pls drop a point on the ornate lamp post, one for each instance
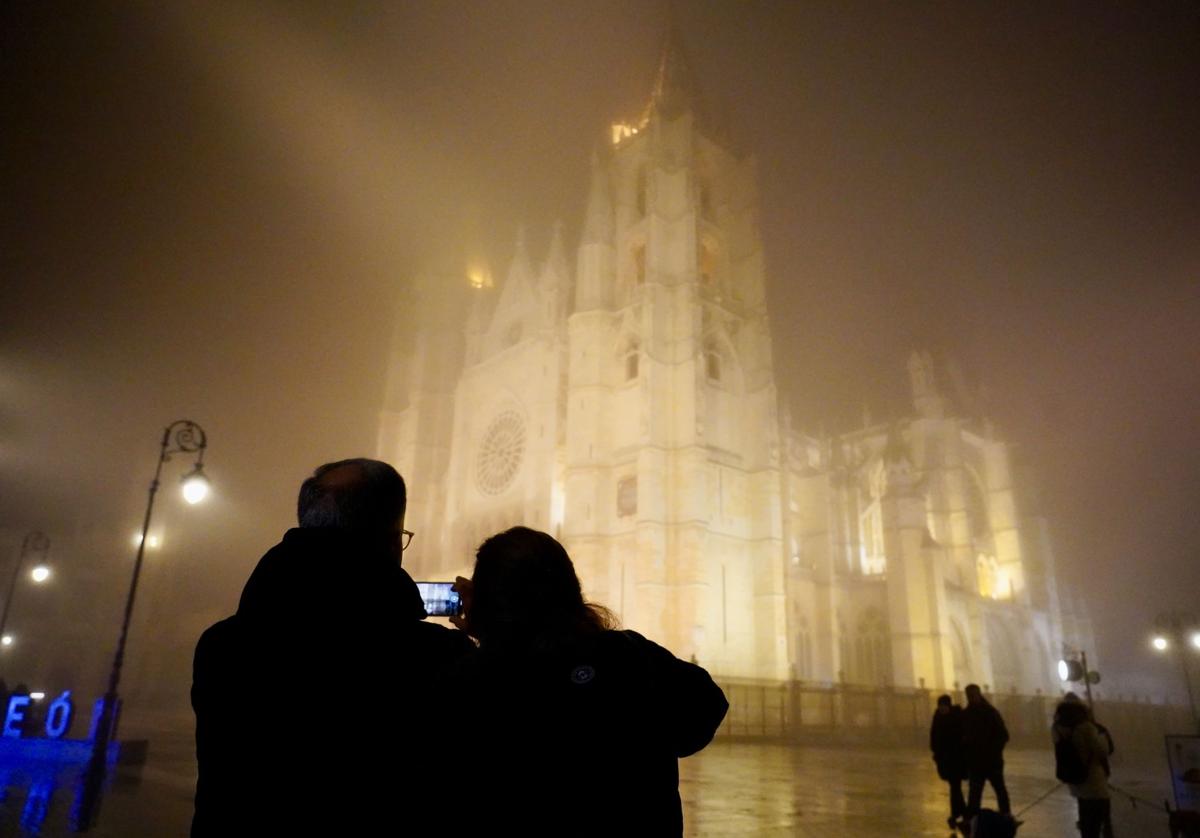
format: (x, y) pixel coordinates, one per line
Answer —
(1073, 667)
(35, 543)
(1183, 631)
(180, 437)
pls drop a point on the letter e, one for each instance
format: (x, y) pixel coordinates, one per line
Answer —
(15, 716)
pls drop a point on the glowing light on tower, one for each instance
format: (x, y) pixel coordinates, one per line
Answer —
(479, 276)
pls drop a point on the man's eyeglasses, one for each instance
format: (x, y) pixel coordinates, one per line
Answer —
(406, 537)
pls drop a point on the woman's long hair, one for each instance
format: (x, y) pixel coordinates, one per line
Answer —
(526, 594)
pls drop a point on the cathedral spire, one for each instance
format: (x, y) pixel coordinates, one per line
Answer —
(521, 265)
(675, 89)
(556, 259)
(598, 226)
(927, 400)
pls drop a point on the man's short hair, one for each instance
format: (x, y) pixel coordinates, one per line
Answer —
(973, 688)
(944, 701)
(356, 494)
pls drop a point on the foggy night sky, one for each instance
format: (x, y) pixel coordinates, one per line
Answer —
(213, 211)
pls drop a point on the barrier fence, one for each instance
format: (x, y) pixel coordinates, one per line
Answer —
(846, 713)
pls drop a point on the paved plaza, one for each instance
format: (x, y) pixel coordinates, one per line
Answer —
(731, 788)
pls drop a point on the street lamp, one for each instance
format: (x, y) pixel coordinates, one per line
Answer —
(1182, 630)
(180, 437)
(1074, 668)
(35, 543)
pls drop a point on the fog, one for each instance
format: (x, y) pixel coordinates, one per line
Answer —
(216, 212)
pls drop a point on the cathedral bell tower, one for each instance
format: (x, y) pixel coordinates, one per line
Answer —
(672, 474)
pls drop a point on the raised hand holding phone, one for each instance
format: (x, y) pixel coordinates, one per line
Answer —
(464, 588)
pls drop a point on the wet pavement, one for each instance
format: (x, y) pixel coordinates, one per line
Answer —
(731, 788)
(830, 792)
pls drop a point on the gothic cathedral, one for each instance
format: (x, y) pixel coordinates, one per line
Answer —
(627, 404)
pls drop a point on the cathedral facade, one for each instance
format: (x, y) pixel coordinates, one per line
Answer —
(625, 401)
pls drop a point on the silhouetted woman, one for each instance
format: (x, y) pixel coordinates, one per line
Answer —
(1074, 729)
(564, 724)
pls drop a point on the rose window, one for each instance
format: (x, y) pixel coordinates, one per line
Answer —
(500, 453)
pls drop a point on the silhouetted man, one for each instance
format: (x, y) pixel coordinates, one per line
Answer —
(306, 698)
(984, 738)
(945, 740)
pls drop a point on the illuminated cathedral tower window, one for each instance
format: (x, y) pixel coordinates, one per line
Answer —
(627, 496)
(641, 191)
(708, 262)
(712, 364)
(632, 354)
(639, 264)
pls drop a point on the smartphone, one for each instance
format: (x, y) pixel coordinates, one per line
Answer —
(439, 600)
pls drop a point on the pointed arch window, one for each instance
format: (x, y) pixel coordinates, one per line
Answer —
(640, 191)
(632, 359)
(712, 364)
(873, 663)
(708, 263)
(639, 264)
(977, 513)
(627, 496)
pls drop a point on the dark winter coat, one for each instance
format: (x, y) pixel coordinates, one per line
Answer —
(984, 737)
(945, 740)
(582, 740)
(307, 698)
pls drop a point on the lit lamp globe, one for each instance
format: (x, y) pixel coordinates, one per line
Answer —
(1071, 670)
(1159, 643)
(1196, 639)
(6, 640)
(40, 573)
(195, 486)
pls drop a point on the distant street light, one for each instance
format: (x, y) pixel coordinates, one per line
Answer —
(180, 437)
(1181, 630)
(35, 543)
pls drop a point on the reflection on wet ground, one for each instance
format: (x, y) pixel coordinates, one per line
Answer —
(757, 788)
(734, 789)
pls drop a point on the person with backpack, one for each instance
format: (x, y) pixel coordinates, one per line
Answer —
(1081, 761)
(1107, 739)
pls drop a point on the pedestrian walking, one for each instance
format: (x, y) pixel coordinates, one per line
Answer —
(984, 738)
(945, 741)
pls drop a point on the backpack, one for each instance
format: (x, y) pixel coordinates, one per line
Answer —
(1068, 765)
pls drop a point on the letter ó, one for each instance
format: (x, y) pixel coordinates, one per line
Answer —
(58, 717)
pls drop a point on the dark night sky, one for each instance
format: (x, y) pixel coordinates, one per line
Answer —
(213, 210)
